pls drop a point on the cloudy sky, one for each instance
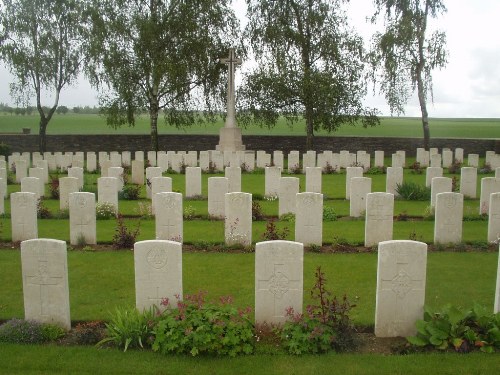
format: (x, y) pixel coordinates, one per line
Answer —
(469, 86)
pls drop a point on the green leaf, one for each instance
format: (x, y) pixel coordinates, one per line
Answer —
(417, 341)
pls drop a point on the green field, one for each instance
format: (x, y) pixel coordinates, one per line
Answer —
(390, 127)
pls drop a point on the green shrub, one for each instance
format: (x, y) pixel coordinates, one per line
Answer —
(19, 331)
(329, 214)
(197, 327)
(257, 213)
(416, 168)
(413, 192)
(272, 233)
(130, 328)
(323, 327)
(104, 211)
(189, 212)
(130, 192)
(42, 212)
(52, 332)
(376, 170)
(88, 333)
(288, 217)
(4, 150)
(123, 237)
(462, 330)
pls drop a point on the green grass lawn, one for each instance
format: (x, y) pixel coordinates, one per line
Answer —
(390, 127)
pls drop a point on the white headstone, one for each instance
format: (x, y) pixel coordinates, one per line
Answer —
(272, 181)
(489, 185)
(393, 179)
(287, 194)
(116, 159)
(138, 172)
(77, 173)
(21, 170)
(435, 160)
(217, 189)
(400, 297)
(150, 173)
(351, 172)
(169, 224)
(217, 160)
(308, 160)
(293, 161)
(91, 162)
(139, 155)
(432, 172)
(45, 282)
(278, 159)
(494, 218)
(448, 218)
(468, 181)
(379, 218)
(107, 191)
(459, 155)
(159, 185)
(67, 185)
(32, 185)
(126, 158)
(23, 216)
(163, 162)
(473, 160)
(193, 182)
(117, 172)
(82, 219)
(313, 179)
(344, 159)
(204, 160)
(249, 161)
(177, 162)
(360, 187)
(497, 172)
(238, 219)
(44, 166)
(158, 274)
(440, 185)
(447, 158)
(152, 158)
(2, 196)
(233, 175)
(309, 219)
(363, 160)
(397, 160)
(278, 280)
(379, 159)
(3, 182)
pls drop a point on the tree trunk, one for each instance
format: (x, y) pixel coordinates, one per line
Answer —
(153, 117)
(425, 114)
(42, 140)
(309, 129)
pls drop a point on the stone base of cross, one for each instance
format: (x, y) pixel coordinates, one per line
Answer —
(230, 139)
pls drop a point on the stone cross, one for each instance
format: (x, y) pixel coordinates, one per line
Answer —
(231, 61)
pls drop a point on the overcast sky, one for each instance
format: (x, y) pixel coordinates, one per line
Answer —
(469, 86)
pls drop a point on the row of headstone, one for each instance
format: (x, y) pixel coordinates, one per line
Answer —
(279, 281)
(249, 159)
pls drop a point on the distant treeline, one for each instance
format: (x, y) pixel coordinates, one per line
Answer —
(31, 110)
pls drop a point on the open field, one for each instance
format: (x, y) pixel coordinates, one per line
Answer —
(390, 127)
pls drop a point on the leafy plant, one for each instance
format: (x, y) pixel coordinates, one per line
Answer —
(105, 211)
(189, 212)
(257, 213)
(88, 333)
(54, 187)
(289, 217)
(197, 327)
(130, 192)
(455, 167)
(329, 169)
(376, 170)
(272, 233)
(123, 237)
(462, 330)
(42, 212)
(4, 149)
(325, 326)
(329, 214)
(413, 192)
(416, 168)
(130, 328)
(20, 331)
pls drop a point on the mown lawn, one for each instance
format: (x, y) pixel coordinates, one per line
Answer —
(390, 127)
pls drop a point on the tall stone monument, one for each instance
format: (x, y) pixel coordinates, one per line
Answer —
(230, 135)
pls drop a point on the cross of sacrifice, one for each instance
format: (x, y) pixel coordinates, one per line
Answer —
(231, 61)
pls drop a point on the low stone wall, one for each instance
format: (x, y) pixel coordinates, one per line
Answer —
(181, 142)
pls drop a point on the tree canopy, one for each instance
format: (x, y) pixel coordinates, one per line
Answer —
(160, 55)
(41, 41)
(404, 55)
(310, 65)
